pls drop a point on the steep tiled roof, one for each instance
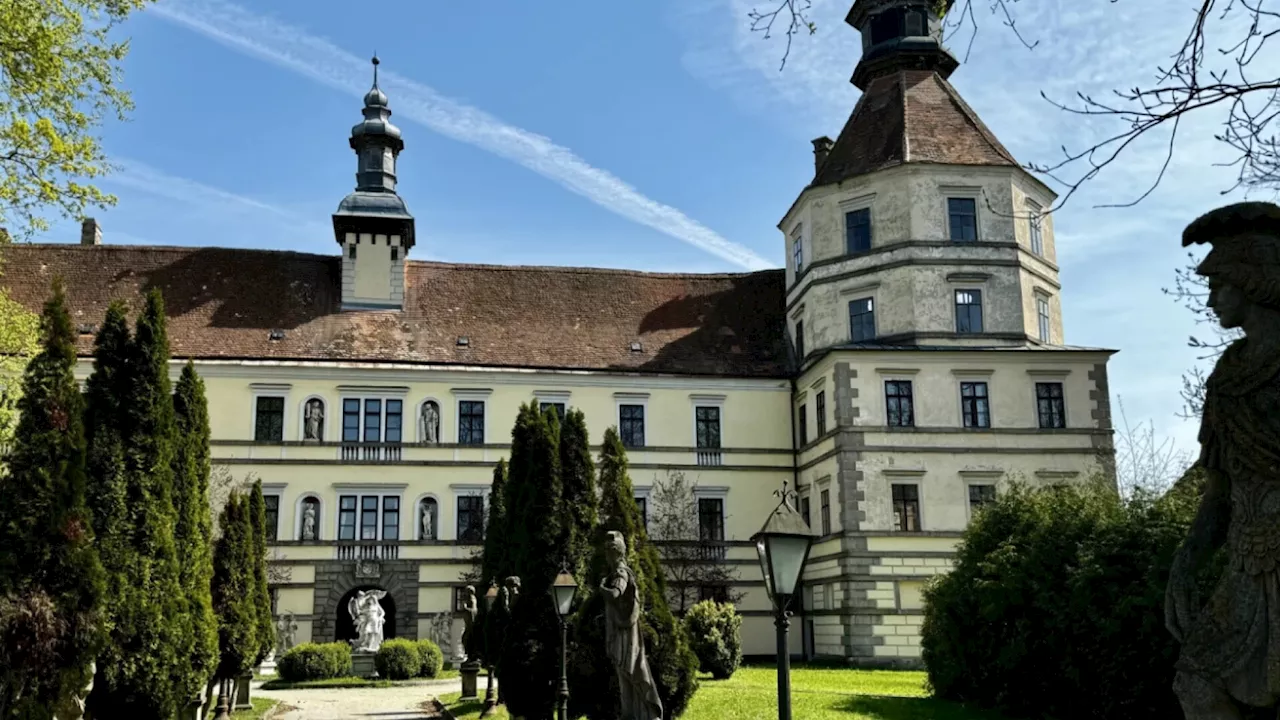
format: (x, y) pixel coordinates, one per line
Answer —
(910, 117)
(224, 303)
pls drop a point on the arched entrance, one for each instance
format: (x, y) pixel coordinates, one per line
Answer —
(344, 626)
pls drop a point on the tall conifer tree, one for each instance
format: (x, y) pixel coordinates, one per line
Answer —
(494, 568)
(51, 582)
(578, 479)
(233, 590)
(261, 595)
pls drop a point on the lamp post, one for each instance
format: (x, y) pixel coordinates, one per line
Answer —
(224, 704)
(562, 591)
(783, 545)
(490, 697)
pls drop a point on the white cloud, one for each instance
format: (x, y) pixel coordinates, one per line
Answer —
(318, 59)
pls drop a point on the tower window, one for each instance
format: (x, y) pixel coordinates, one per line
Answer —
(797, 249)
(886, 26)
(395, 254)
(974, 405)
(968, 311)
(898, 403)
(857, 231)
(1034, 222)
(962, 218)
(1050, 407)
(800, 340)
(915, 23)
(351, 251)
(820, 408)
(862, 320)
(802, 418)
(1042, 317)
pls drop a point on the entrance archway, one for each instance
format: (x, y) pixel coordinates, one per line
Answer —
(345, 627)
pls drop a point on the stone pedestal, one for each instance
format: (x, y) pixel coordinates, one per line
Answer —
(470, 671)
(192, 710)
(241, 701)
(362, 665)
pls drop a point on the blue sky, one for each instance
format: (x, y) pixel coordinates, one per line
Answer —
(653, 135)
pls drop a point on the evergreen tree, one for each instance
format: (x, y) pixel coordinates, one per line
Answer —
(578, 477)
(261, 595)
(233, 590)
(51, 582)
(494, 568)
(193, 532)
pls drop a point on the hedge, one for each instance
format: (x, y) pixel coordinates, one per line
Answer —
(715, 635)
(432, 658)
(398, 659)
(314, 661)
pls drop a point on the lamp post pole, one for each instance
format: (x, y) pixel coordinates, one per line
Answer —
(224, 705)
(783, 622)
(783, 546)
(564, 669)
(490, 697)
(562, 590)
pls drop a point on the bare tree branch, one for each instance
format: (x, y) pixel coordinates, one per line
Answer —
(795, 13)
(696, 567)
(1191, 290)
(1144, 462)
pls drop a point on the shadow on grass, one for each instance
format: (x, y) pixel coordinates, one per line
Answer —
(883, 707)
(465, 707)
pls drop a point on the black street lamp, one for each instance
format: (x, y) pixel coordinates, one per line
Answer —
(783, 545)
(224, 702)
(490, 697)
(562, 591)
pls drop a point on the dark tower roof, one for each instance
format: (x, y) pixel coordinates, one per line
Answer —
(899, 35)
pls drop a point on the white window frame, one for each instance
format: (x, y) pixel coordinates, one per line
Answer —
(361, 491)
(967, 193)
(716, 401)
(382, 419)
(461, 395)
(261, 390)
(469, 490)
(713, 492)
(907, 476)
(641, 399)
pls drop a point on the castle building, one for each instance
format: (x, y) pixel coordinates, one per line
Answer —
(907, 364)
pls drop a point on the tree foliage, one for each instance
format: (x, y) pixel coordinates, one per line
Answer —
(234, 590)
(19, 342)
(578, 478)
(51, 581)
(715, 634)
(261, 594)
(691, 564)
(59, 78)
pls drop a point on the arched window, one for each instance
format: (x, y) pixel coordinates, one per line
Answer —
(428, 519)
(309, 519)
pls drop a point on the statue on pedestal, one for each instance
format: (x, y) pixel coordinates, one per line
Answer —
(314, 416)
(623, 641)
(430, 423)
(308, 520)
(286, 633)
(367, 614)
(1230, 653)
(469, 610)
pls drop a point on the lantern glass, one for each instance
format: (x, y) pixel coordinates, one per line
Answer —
(787, 554)
(765, 573)
(562, 591)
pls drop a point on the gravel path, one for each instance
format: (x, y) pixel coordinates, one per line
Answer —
(402, 702)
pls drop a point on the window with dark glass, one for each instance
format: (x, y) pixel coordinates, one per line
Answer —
(559, 408)
(974, 405)
(1050, 406)
(471, 422)
(272, 503)
(394, 421)
(800, 340)
(862, 320)
(643, 504)
(797, 250)
(980, 495)
(269, 420)
(372, 420)
(804, 510)
(825, 498)
(906, 508)
(470, 518)
(351, 419)
(708, 427)
(347, 517)
(714, 593)
(898, 403)
(1042, 317)
(962, 217)
(802, 423)
(390, 518)
(631, 425)
(711, 519)
(1034, 221)
(820, 410)
(369, 517)
(857, 231)
(968, 311)
(886, 26)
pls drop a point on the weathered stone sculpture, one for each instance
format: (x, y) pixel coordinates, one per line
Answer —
(430, 423)
(623, 641)
(428, 521)
(314, 427)
(286, 633)
(512, 586)
(309, 521)
(368, 616)
(469, 610)
(1231, 647)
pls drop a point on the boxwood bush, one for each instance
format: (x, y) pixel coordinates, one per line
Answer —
(398, 659)
(432, 658)
(715, 634)
(315, 661)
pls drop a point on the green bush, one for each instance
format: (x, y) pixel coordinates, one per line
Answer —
(715, 635)
(1056, 605)
(398, 659)
(314, 661)
(432, 658)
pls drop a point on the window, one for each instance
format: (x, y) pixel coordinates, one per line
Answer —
(804, 510)
(862, 320)
(470, 518)
(631, 425)
(1034, 223)
(968, 311)
(974, 405)
(797, 249)
(711, 519)
(1049, 405)
(369, 517)
(897, 397)
(820, 409)
(273, 515)
(826, 511)
(980, 495)
(372, 420)
(351, 251)
(390, 518)
(643, 504)
(800, 340)
(802, 423)
(707, 420)
(1042, 317)
(962, 218)
(906, 508)
(471, 422)
(559, 407)
(374, 512)
(347, 517)
(269, 420)
(715, 593)
(395, 254)
(857, 231)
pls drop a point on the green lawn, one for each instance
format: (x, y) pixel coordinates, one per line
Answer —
(261, 706)
(816, 694)
(351, 682)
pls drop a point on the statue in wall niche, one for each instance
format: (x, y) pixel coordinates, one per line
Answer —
(1230, 654)
(286, 633)
(313, 427)
(623, 641)
(430, 430)
(470, 608)
(309, 521)
(428, 520)
(367, 614)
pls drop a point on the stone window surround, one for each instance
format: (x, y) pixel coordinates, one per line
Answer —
(974, 375)
(417, 514)
(866, 202)
(277, 489)
(382, 490)
(646, 492)
(370, 392)
(641, 399)
(468, 394)
(714, 492)
(907, 476)
(860, 292)
(469, 489)
(698, 400)
(1046, 375)
(963, 282)
(302, 417)
(797, 248)
(553, 397)
(972, 192)
(824, 483)
(901, 374)
(259, 390)
(979, 477)
(1037, 295)
(1035, 221)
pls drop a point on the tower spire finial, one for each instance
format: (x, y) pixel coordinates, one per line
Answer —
(375, 68)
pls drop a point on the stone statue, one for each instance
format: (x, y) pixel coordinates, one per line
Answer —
(430, 423)
(1231, 646)
(623, 642)
(286, 633)
(368, 615)
(513, 591)
(308, 520)
(441, 631)
(428, 521)
(314, 415)
(470, 608)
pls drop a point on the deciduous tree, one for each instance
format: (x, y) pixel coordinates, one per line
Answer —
(691, 564)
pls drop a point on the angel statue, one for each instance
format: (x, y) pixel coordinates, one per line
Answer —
(1230, 656)
(368, 616)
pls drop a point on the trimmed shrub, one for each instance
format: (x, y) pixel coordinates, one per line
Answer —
(432, 658)
(715, 635)
(315, 661)
(398, 659)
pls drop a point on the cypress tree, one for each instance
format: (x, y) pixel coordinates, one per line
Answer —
(233, 590)
(51, 581)
(261, 595)
(493, 568)
(193, 532)
(578, 477)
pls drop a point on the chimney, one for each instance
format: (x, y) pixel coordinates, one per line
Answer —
(90, 232)
(821, 147)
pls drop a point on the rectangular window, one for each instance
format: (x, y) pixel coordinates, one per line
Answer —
(820, 409)
(711, 519)
(906, 508)
(559, 408)
(714, 593)
(857, 231)
(708, 427)
(643, 504)
(1042, 317)
(800, 340)
(804, 510)
(975, 407)
(372, 420)
(394, 421)
(470, 518)
(1050, 406)
(273, 515)
(862, 320)
(471, 422)
(347, 517)
(802, 424)
(269, 420)
(797, 250)
(980, 495)
(631, 425)
(1034, 224)
(897, 397)
(390, 518)
(369, 517)
(826, 512)
(968, 311)
(351, 420)
(962, 217)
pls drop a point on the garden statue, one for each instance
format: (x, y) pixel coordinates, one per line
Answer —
(1230, 654)
(428, 522)
(286, 633)
(430, 423)
(513, 591)
(469, 610)
(309, 521)
(623, 641)
(314, 428)
(368, 616)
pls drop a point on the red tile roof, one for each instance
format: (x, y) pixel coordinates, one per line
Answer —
(913, 116)
(224, 303)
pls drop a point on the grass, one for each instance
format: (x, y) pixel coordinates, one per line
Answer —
(469, 709)
(817, 693)
(261, 706)
(351, 682)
